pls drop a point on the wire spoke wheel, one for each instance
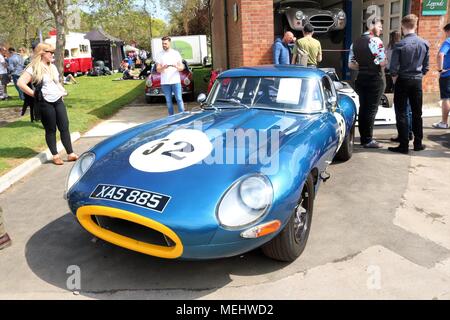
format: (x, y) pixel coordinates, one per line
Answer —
(289, 244)
(302, 216)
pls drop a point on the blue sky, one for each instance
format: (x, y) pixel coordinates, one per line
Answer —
(156, 10)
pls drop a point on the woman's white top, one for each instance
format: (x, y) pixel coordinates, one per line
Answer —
(50, 89)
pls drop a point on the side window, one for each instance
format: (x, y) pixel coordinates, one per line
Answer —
(84, 48)
(327, 88)
(66, 53)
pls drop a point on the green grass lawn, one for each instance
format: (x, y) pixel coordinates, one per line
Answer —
(90, 101)
(14, 101)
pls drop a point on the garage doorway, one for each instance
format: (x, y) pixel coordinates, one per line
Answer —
(391, 13)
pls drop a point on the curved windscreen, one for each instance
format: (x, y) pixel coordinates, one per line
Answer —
(289, 94)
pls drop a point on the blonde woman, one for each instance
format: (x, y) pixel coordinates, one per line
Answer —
(48, 93)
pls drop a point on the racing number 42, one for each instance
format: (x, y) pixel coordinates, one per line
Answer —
(183, 147)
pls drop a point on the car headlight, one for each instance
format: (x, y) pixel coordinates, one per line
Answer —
(187, 81)
(68, 65)
(341, 15)
(245, 202)
(149, 83)
(299, 15)
(80, 167)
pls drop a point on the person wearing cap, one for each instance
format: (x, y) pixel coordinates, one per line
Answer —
(48, 94)
(309, 45)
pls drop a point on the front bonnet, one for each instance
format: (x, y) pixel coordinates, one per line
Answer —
(192, 161)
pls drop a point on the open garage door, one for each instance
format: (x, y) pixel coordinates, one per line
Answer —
(389, 10)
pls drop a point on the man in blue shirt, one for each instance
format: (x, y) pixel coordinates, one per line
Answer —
(281, 51)
(15, 68)
(410, 62)
(443, 63)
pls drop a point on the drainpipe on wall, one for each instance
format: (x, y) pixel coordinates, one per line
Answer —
(210, 32)
(225, 2)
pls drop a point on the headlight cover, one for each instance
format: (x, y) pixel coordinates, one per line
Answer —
(246, 201)
(299, 15)
(341, 15)
(149, 83)
(68, 65)
(80, 167)
(187, 81)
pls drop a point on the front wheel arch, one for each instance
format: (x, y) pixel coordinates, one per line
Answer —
(290, 243)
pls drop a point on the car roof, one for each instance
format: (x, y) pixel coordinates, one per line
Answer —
(288, 71)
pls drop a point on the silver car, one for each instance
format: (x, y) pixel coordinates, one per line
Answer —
(300, 12)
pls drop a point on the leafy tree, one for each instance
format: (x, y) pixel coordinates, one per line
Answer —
(32, 16)
(58, 9)
(132, 26)
(188, 16)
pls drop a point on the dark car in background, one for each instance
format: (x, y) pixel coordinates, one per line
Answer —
(153, 84)
(295, 14)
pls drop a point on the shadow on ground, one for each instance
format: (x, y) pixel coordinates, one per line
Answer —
(106, 268)
(442, 139)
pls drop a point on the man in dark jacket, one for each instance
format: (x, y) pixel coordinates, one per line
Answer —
(367, 55)
(410, 62)
(281, 51)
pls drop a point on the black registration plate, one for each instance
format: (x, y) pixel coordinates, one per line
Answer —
(137, 197)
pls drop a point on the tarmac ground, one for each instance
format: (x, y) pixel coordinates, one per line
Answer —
(381, 230)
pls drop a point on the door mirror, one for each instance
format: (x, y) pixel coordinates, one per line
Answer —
(201, 98)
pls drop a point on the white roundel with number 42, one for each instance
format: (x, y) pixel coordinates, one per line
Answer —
(342, 129)
(180, 149)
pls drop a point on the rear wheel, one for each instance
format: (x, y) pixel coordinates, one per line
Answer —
(289, 244)
(346, 150)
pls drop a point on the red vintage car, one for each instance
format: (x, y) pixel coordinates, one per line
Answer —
(153, 84)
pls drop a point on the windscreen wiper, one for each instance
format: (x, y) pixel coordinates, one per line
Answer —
(209, 106)
(233, 101)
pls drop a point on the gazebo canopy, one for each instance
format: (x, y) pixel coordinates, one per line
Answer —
(100, 35)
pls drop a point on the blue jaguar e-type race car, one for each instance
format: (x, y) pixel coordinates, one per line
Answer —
(237, 173)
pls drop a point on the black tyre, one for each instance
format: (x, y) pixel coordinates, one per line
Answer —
(346, 150)
(289, 244)
(148, 99)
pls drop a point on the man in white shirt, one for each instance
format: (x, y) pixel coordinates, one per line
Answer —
(169, 64)
(4, 79)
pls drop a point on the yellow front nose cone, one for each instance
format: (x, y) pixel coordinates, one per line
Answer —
(85, 214)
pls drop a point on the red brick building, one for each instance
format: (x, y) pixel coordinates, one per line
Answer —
(243, 31)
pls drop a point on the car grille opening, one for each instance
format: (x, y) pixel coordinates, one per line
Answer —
(321, 23)
(133, 230)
